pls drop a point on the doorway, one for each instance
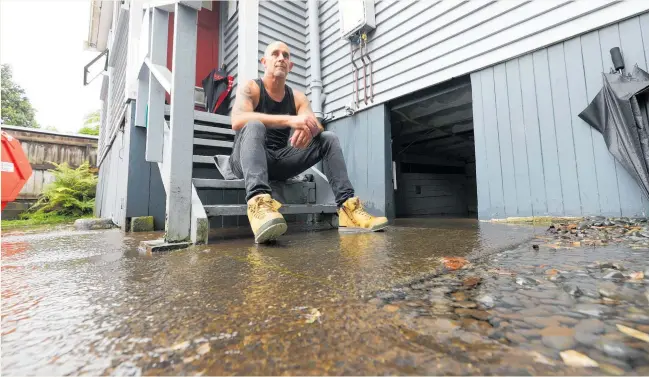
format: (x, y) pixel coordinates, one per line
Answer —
(433, 152)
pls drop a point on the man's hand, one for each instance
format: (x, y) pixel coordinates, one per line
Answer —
(301, 138)
(305, 122)
(312, 123)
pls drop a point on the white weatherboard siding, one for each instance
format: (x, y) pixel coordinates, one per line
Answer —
(419, 43)
(534, 155)
(286, 21)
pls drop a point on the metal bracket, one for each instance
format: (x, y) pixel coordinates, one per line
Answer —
(85, 68)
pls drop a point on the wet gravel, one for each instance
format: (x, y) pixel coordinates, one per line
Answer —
(570, 296)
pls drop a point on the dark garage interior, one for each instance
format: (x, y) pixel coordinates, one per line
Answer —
(433, 152)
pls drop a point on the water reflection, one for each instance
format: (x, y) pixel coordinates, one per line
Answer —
(89, 302)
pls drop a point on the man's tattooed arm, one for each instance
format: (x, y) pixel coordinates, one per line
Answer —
(243, 109)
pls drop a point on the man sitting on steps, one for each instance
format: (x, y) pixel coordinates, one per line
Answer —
(264, 112)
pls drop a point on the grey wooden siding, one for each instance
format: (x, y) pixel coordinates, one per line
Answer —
(369, 163)
(286, 21)
(109, 201)
(145, 193)
(420, 43)
(534, 156)
(230, 53)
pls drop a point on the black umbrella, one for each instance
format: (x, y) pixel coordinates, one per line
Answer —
(619, 113)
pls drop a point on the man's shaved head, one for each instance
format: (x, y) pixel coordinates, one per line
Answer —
(277, 60)
(275, 45)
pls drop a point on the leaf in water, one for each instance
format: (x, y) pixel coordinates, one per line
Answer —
(637, 275)
(539, 358)
(180, 346)
(313, 316)
(203, 349)
(471, 281)
(576, 359)
(454, 263)
(633, 332)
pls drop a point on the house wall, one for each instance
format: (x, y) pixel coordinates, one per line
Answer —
(110, 197)
(286, 21)
(128, 185)
(230, 43)
(418, 44)
(145, 193)
(534, 156)
(365, 141)
(421, 194)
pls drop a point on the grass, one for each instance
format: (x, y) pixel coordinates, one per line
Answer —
(39, 219)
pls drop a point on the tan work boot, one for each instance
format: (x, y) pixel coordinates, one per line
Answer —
(352, 217)
(266, 222)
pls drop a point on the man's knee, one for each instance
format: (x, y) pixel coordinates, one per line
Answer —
(329, 138)
(254, 126)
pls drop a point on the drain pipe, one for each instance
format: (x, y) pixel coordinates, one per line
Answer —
(314, 41)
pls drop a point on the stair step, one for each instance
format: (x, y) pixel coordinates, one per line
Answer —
(198, 159)
(287, 209)
(239, 183)
(213, 143)
(219, 183)
(212, 129)
(205, 117)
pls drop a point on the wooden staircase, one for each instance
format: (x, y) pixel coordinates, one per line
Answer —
(223, 201)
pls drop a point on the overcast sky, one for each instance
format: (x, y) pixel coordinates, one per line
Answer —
(43, 42)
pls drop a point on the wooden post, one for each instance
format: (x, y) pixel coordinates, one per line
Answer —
(158, 55)
(142, 100)
(248, 41)
(179, 194)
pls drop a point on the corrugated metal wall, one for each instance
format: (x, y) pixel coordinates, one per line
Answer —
(534, 155)
(230, 53)
(286, 21)
(421, 43)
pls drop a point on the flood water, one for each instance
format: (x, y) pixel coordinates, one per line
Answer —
(90, 303)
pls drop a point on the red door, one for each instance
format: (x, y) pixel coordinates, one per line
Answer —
(207, 44)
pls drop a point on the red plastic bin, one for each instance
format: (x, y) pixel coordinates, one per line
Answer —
(16, 169)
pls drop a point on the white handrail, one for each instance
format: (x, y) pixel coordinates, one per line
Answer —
(172, 146)
(161, 73)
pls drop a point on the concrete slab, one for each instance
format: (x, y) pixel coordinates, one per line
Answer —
(157, 246)
(93, 224)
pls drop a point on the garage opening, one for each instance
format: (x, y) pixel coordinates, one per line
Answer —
(433, 152)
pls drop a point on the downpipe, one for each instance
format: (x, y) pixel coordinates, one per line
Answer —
(355, 70)
(364, 72)
(367, 55)
(314, 41)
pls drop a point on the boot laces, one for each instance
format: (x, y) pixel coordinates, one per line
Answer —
(359, 210)
(261, 207)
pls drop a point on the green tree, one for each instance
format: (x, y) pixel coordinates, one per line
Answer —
(16, 108)
(91, 124)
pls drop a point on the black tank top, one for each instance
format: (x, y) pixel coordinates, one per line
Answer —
(276, 138)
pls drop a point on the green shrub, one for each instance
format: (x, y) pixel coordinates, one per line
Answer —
(72, 193)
